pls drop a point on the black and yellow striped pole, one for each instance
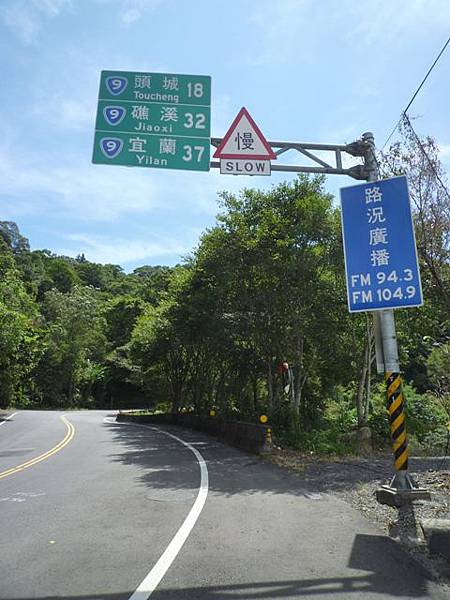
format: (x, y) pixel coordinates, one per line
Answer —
(395, 403)
(401, 489)
(397, 421)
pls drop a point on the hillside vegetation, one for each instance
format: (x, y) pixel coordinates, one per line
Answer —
(254, 321)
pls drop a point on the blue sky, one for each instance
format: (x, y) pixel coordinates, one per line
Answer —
(307, 71)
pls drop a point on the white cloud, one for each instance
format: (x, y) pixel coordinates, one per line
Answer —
(130, 16)
(131, 11)
(118, 251)
(51, 8)
(279, 27)
(70, 102)
(382, 20)
(26, 19)
(63, 112)
(75, 188)
(444, 150)
(22, 20)
(71, 187)
(302, 28)
(444, 155)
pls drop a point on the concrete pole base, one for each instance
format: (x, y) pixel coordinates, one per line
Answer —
(401, 491)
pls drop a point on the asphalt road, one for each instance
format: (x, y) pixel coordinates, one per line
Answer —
(92, 516)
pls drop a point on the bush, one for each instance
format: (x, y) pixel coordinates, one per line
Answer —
(326, 438)
(425, 417)
(379, 425)
(326, 441)
(436, 442)
(340, 411)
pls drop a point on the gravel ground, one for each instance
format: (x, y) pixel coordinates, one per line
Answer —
(355, 481)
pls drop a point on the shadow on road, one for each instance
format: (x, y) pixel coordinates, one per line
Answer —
(385, 573)
(313, 588)
(165, 463)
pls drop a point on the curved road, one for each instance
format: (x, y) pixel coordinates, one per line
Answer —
(92, 517)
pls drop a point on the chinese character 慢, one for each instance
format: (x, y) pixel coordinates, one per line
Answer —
(244, 141)
(167, 146)
(137, 145)
(170, 83)
(169, 113)
(142, 81)
(140, 112)
(373, 194)
(379, 258)
(376, 214)
(378, 236)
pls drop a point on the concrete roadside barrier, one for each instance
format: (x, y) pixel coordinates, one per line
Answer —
(437, 536)
(251, 437)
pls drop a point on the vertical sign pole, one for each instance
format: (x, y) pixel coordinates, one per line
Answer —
(385, 326)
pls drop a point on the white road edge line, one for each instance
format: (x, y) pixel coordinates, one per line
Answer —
(8, 418)
(151, 581)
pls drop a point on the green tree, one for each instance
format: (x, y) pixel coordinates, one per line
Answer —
(19, 336)
(287, 281)
(13, 239)
(121, 313)
(418, 159)
(161, 355)
(265, 285)
(75, 343)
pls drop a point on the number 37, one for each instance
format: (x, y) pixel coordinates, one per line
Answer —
(189, 152)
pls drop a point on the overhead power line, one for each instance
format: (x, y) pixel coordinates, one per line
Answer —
(417, 91)
(424, 152)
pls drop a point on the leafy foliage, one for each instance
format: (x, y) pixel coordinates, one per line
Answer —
(253, 322)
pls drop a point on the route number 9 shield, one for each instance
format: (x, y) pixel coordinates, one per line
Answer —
(114, 114)
(111, 147)
(116, 85)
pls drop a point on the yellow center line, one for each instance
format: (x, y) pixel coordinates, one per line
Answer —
(70, 432)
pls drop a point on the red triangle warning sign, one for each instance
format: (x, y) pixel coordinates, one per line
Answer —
(244, 140)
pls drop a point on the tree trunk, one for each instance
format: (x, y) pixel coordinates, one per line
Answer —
(270, 383)
(371, 357)
(71, 390)
(299, 376)
(363, 393)
(254, 382)
(361, 388)
(292, 386)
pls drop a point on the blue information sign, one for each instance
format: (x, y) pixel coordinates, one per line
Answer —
(379, 246)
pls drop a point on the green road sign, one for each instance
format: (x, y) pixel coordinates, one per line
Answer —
(165, 119)
(149, 150)
(153, 120)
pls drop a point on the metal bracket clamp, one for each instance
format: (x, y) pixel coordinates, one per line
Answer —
(357, 148)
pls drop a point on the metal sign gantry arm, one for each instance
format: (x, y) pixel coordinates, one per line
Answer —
(358, 148)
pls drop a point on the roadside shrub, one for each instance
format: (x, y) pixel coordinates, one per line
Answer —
(436, 443)
(379, 425)
(424, 417)
(290, 432)
(340, 410)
